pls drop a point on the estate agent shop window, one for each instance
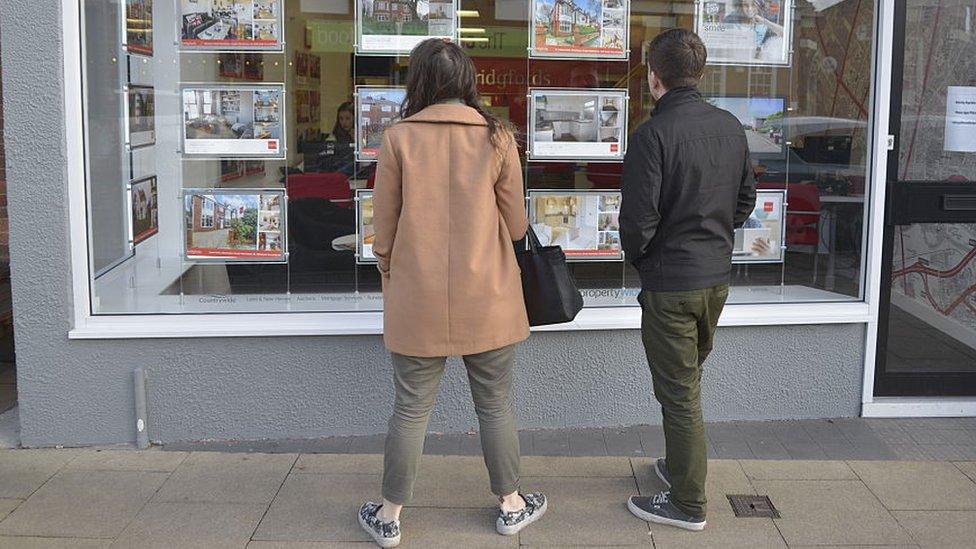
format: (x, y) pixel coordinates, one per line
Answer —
(231, 143)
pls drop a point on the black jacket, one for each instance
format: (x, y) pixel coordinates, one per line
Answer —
(687, 184)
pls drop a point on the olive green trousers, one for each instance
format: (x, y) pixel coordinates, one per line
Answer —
(678, 330)
(416, 381)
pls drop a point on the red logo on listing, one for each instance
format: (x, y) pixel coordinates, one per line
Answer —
(614, 147)
(272, 145)
(768, 207)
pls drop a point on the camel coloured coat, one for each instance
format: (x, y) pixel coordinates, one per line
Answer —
(446, 207)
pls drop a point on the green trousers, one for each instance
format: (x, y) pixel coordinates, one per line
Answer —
(416, 381)
(678, 330)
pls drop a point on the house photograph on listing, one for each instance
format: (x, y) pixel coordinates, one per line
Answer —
(568, 22)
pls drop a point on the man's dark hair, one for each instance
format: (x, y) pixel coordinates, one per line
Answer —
(677, 57)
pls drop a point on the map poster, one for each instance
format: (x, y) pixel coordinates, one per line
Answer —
(761, 239)
(138, 25)
(140, 116)
(391, 27)
(231, 24)
(233, 120)
(586, 224)
(745, 32)
(960, 129)
(224, 225)
(377, 108)
(763, 119)
(577, 124)
(579, 29)
(145, 209)
(365, 234)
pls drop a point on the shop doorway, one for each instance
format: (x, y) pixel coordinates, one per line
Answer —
(927, 323)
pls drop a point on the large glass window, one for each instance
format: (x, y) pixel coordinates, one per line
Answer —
(231, 143)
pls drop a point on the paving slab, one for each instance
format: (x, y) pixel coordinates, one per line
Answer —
(797, 470)
(311, 545)
(460, 481)
(587, 442)
(553, 466)
(551, 443)
(724, 477)
(89, 504)
(917, 485)
(441, 444)
(591, 512)
(127, 460)
(227, 478)
(723, 530)
(804, 450)
(314, 507)
(652, 440)
(469, 445)
(356, 464)
(51, 543)
(426, 527)
(830, 512)
(191, 526)
(968, 468)
(623, 441)
(24, 471)
(738, 449)
(913, 546)
(950, 452)
(7, 505)
(940, 529)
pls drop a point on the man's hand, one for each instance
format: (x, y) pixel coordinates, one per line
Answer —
(761, 246)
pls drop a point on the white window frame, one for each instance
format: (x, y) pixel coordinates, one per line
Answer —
(89, 326)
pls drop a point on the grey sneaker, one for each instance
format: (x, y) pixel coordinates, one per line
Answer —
(509, 524)
(661, 468)
(385, 534)
(659, 509)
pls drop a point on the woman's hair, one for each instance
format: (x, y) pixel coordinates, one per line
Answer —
(440, 70)
(341, 134)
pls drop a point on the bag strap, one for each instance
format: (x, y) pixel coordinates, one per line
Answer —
(532, 239)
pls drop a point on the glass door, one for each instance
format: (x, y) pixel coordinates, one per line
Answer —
(927, 332)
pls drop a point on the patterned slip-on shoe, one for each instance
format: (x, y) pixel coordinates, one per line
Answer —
(385, 534)
(659, 509)
(661, 468)
(509, 524)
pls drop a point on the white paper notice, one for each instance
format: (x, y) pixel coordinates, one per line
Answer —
(960, 129)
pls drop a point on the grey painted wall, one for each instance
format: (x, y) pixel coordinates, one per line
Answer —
(80, 392)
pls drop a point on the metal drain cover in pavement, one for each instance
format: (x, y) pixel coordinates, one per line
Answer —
(752, 506)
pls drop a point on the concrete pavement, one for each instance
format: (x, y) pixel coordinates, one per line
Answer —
(153, 498)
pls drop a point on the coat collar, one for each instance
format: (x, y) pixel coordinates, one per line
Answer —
(677, 96)
(448, 113)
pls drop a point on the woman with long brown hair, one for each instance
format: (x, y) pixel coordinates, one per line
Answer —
(447, 205)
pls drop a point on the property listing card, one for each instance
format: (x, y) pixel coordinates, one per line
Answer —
(385, 27)
(579, 29)
(749, 32)
(231, 24)
(577, 124)
(234, 121)
(243, 225)
(586, 224)
(761, 239)
(377, 108)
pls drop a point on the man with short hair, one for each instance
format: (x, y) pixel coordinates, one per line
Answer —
(687, 184)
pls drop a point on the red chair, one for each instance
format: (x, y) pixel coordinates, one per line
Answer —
(331, 186)
(803, 215)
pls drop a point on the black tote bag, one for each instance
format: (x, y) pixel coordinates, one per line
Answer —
(551, 296)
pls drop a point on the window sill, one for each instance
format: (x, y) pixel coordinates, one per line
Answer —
(371, 323)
